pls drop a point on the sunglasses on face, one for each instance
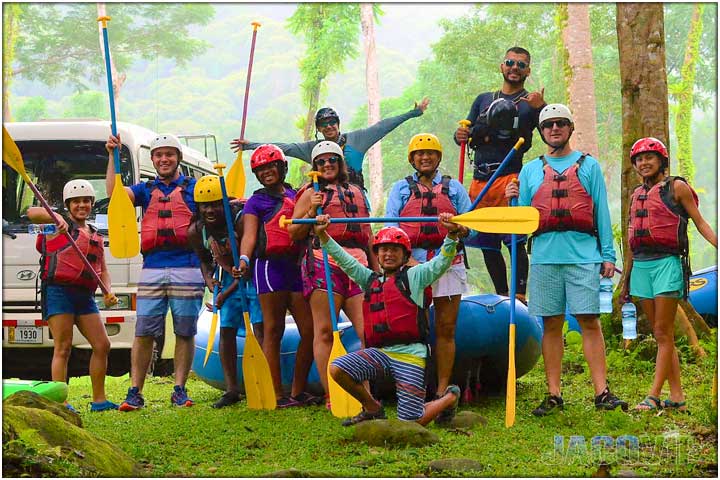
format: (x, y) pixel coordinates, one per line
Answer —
(520, 64)
(327, 123)
(563, 122)
(332, 161)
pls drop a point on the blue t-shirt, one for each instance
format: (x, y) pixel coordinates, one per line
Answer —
(173, 257)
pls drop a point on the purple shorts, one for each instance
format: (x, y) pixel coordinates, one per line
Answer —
(313, 278)
(277, 275)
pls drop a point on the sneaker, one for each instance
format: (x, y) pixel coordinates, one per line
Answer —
(228, 398)
(306, 399)
(607, 401)
(448, 414)
(133, 401)
(551, 403)
(288, 402)
(364, 416)
(179, 397)
(103, 406)
(70, 407)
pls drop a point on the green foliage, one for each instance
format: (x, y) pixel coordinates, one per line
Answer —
(88, 104)
(33, 109)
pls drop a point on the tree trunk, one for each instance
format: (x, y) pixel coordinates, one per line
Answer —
(118, 79)
(374, 155)
(684, 95)
(580, 81)
(313, 103)
(10, 29)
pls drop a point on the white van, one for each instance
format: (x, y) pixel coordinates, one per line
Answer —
(55, 152)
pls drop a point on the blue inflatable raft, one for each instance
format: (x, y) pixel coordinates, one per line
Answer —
(481, 345)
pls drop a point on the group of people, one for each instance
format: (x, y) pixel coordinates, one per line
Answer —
(383, 282)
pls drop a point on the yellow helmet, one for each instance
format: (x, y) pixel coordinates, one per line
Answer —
(424, 141)
(207, 189)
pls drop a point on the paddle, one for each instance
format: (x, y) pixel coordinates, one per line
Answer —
(500, 168)
(214, 320)
(511, 375)
(256, 371)
(13, 157)
(236, 174)
(122, 223)
(342, 404)
(463, 145)
(520, 220)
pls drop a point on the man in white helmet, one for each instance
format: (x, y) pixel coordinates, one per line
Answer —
(171, 276)
(571, 250)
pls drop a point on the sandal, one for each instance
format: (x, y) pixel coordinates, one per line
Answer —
(649, 404)
(364, 416)
(677, 406)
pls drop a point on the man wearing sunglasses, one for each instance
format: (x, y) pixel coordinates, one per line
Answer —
(498, 119)
(571, 250)
(354, 144)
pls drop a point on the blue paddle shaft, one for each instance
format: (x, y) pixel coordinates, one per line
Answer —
(502, 166)
(113, 124)
(326, 264)
(368, 219)
(513, 269)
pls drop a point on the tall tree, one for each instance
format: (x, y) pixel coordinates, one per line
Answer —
(11, 20)
(579, 76)
(372, 81)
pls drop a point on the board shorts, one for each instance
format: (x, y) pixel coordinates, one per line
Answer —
(63, 299)
(277, 275)
(452, 282)
(495, 197)
(406, 369)
(313, 278)
(554, 288)
(662, 277)
(180, 289)
(231, 312)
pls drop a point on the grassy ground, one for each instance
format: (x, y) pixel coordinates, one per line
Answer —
(236, 442)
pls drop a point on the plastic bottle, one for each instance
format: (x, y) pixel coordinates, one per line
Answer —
(44, 228)
(629, 320)
(606, 294)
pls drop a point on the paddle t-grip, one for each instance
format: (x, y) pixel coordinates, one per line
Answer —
(104, 20)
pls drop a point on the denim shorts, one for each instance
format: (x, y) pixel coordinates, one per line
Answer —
(553, 288)
(662, 277)
(59, 299)
(231, 312)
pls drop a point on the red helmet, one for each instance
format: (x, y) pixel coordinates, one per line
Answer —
(648, 144)
(265, 154)
(393, 235)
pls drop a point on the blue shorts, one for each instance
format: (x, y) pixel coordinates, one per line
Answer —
(553, 288)
(492, 241)
(59, 299)
(231, 312)
(180, 289)
(662, 277)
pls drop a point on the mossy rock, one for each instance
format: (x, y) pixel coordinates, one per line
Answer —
(28, 399)
(37, 442)
(455, 465)
(390, 433)
(466, 419)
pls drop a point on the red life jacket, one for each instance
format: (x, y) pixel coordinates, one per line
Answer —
(390, 315)
(60, 263)
(166, 219)
(425, 202)
(274, 241)
(658, 224)
(563, 202)
(347, 201)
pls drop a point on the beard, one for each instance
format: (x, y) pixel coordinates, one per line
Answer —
(515, 83)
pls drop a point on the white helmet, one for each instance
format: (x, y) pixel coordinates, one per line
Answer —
(166, 140)
(78, 188)
(326, 146)
(555, 110)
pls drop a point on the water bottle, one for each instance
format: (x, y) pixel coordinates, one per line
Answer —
(606, 294)
(629, 320)
(44, 228)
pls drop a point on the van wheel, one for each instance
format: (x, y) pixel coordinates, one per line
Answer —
(161, 367)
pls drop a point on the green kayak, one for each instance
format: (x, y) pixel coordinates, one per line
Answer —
(56, 391)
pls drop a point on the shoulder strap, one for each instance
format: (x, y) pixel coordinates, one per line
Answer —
(412, 185)
(403, 283)
(543, 160)
(446, 184)
(581, 159)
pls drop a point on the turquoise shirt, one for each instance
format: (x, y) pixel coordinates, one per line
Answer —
(571, 247)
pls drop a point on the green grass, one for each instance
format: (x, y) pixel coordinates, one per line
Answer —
(236, 442)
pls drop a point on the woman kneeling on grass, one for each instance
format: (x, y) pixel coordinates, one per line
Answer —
(659, 268)
(395, 324)
(68, 291)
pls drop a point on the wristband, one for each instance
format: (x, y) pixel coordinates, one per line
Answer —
(245, 257)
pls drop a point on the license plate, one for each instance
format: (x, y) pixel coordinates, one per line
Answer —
(25, 335)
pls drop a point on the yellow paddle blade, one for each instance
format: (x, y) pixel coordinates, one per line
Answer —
(211, 336)
(510, 395)
(518, 220)
(122, 225)
(342, 404)
(256, 373)
(12, 156)
(235, 178)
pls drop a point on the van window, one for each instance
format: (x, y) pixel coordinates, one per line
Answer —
(51, 164)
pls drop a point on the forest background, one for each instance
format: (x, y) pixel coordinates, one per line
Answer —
(181, 68)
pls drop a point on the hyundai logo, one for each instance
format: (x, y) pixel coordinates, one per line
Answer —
(26, 275)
